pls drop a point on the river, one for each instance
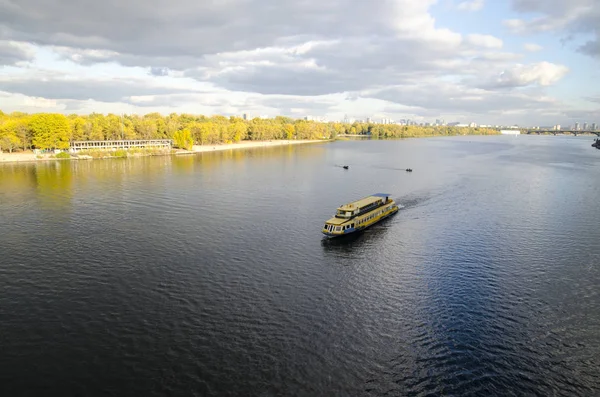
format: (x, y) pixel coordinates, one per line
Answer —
(208, 275)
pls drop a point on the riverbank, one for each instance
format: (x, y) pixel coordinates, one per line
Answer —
(251, 144)
(29, 156)
(17, 157)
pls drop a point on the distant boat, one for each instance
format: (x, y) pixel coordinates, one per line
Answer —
(359, 215)
(345, 167)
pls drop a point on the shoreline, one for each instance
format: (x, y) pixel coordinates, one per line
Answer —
(248, 144)
(25, 157)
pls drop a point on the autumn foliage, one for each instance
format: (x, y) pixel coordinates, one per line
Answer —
(20, 131)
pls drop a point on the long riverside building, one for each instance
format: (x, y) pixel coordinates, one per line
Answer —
(77, 146)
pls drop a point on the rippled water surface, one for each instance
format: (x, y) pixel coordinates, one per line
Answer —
(207, 275)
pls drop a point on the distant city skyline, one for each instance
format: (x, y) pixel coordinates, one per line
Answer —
(523, 62)
(441, 122)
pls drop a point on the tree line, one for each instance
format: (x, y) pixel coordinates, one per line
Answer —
(22, 131)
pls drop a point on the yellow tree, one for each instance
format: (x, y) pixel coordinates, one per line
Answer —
(238, 130)
(289, 131)
(50, 131)
(114, 127)
(146, 128)
(76, 124)
(9, 141)
(183, 139)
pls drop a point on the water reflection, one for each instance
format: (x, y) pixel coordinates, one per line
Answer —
(54, 182)
(356, 242)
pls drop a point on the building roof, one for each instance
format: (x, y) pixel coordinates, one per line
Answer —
(362, 202)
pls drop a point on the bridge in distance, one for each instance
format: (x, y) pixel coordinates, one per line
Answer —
(561, 132)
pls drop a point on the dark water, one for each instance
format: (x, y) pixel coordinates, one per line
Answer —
(207, 275)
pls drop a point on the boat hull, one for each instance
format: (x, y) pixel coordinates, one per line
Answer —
(353, 231)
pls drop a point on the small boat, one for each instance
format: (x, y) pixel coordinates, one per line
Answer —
(409, 170)
(360, 214)
(345, 167)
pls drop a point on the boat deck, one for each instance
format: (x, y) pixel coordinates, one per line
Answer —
(363, 202)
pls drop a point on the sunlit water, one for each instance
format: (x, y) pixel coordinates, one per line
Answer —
(208, 275)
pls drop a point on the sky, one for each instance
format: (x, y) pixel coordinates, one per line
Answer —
(500, 62)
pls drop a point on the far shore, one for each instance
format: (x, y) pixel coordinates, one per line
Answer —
(251, 144)
(29, 156)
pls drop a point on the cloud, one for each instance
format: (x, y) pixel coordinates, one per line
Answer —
(574, 18)
(11, 52)
(444, 98)
(56, 86)
(532, 47)
(473, 5)
(595, 99)
(484, 40)
(158, 71)
(267, 57)
(592, 48)
(329, 66)
(583, 114)
(541, 74)
(190, 29)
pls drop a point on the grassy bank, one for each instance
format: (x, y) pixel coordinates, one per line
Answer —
(140, 152)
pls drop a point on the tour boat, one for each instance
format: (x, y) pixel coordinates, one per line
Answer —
(359, 215)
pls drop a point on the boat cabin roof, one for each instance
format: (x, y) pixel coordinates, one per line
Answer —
(363, 202)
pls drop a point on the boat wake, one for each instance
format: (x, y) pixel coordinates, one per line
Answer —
(411, 201)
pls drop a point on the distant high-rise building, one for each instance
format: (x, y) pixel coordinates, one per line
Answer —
(576, 127)
(585, 126)
(245, 116)
(369, 120)
(594, 126)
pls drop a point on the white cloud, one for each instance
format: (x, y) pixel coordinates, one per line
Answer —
(62, 87)
(532, 47)
(484, 40)
(571, 17)
(14, 52)
(473, 5)
(235, 56)
(451, 98)
(542, 74)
